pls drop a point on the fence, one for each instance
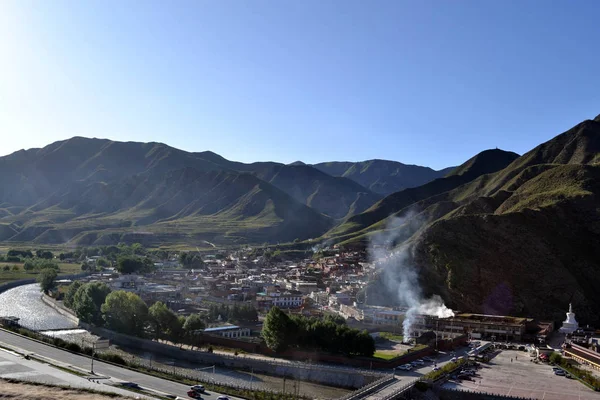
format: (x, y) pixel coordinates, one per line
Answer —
(320, 373)
(400, 391)
(456, 394)
(369, 388)
(214, 379)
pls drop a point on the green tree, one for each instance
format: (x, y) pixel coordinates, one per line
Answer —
(132, 264)
(193, 324)
(70, 293)
(125, 312)
(87, 302)
(275, 328)
(44, 254)
(102, 262)
(555, 358)
(47, 279)
(161, 319)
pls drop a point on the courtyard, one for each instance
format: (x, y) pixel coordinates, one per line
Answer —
(512, 373)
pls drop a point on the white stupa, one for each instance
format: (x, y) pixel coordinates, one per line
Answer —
(570, 325)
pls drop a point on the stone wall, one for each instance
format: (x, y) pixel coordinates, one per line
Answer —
(60, 308)
(11, 285)
(328, 375)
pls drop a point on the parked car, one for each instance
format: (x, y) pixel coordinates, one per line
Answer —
(453, 359)
(198, 388)
(427, 358)
(193, 394)
(222, 398)
(406, 367)
(569, 376)
(436, 368)
(559, 372)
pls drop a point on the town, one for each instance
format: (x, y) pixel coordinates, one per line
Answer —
(243, 302)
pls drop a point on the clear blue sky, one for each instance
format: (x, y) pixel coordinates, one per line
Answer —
(423, 82)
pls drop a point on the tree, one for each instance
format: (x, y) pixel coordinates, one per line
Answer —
(125, 312)
(46, 279)
(44, 254)
(102, 262)
(70, 293)
(87, 302)
(275, 328)
(193, 324)
(191, 260)
(132, 264)
(555, 358)
(162, 319)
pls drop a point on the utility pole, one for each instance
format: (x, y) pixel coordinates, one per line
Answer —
(93, 350)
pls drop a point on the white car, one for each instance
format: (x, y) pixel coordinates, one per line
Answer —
(197, 388)
(418, 362)
(222, 398)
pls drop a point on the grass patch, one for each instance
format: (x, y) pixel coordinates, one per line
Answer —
(446, 369)
(13, 271)
(391, 336)
(384, 355)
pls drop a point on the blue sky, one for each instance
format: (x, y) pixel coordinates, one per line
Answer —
(421, 82)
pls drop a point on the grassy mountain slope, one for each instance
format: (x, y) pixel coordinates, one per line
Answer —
(333, 196)
(520, 241)
(382, 176)
(94, 191)
(483, 163)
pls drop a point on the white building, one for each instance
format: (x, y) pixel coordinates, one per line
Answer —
(570, 325)
(229, 331)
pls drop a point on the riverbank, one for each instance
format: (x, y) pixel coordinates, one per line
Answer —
(14, 271)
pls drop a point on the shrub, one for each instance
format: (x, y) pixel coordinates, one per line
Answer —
(115, 358)
(73, 347)
(421, 386)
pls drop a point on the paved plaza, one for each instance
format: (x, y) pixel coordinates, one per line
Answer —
(523, 378)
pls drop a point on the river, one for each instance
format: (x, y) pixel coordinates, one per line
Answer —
(25, 302)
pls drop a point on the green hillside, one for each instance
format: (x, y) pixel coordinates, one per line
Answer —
(519, 241)
(91, 191)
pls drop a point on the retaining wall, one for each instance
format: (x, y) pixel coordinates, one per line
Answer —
(60, 308)
(11, 285)
(328, 375)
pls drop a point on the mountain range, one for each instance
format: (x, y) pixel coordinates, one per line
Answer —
(95, 191)
(517, 236)
(499, 234)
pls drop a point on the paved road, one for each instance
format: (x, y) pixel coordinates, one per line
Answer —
(14, 366)
(405, 377)
(100, 368)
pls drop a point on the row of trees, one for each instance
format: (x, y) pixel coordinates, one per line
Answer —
(281, 331)
(234, 313)
(16, 255)
(127, 313)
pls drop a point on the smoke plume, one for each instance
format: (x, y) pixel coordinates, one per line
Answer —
(392, 251)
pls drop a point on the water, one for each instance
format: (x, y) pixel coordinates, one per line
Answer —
(25, 302)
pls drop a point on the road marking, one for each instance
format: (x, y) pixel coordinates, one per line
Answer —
(6, 363)
(17, 375)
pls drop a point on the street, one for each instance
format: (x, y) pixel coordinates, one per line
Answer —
(100, 368)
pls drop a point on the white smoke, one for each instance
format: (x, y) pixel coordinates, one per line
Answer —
(391, 249)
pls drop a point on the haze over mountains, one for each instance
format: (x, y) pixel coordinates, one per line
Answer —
(93, 191)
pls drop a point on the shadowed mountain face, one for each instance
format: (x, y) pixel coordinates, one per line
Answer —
(522, 240)
(382, 176)
(94, 191)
